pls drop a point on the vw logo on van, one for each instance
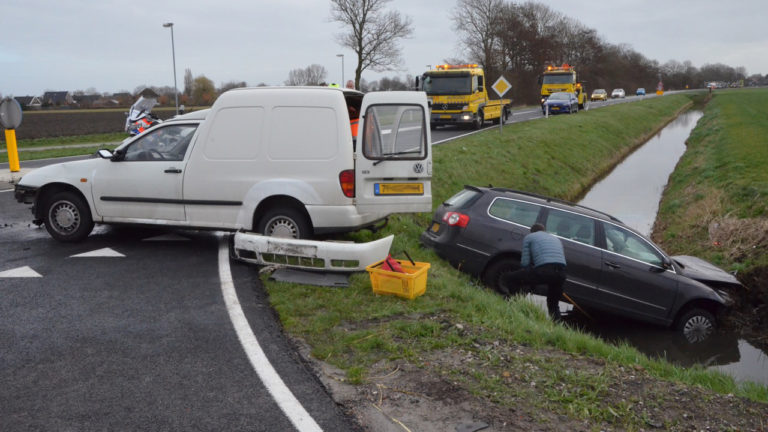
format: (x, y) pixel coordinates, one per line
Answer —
(418, 168)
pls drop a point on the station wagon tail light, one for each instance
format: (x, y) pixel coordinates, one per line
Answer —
(347, 182)
(456, 219)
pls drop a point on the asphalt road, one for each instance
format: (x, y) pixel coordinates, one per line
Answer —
(139, 341)
(444, 134)
(139, 337)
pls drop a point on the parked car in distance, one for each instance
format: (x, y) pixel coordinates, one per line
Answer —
(618, 93)
(560, 102)
(640, 92)
(611, 267)
(599, 95)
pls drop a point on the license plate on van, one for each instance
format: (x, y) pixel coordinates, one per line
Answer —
(398, 189)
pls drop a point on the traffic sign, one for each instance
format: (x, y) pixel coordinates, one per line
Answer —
(501, 86)
(10, 113)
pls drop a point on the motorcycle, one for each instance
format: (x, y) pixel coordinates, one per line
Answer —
(140, 117)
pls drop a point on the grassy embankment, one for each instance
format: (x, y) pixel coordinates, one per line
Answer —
(67, 145)
(353, 329)
(716, 203)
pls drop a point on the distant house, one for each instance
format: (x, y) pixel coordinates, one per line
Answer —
(29, 102)
(148, 93)
(86, 101)
(123, 98)
(57, 98)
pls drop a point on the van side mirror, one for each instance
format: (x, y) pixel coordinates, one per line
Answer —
(416, 85)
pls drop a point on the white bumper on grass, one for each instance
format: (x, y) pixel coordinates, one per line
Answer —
(310, 254)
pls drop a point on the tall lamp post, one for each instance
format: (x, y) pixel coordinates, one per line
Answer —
(343, 84)
(173, 50)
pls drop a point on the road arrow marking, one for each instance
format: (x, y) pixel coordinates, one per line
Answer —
(106, 252)
(167, 237)
(20, 272)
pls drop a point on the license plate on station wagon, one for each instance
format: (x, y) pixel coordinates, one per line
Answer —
(398, 189)
(435, 227)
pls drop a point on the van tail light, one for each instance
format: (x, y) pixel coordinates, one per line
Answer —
(456, 219)
(347, 182)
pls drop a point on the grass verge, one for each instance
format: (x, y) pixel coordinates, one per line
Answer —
(69, 146)
(561, 156)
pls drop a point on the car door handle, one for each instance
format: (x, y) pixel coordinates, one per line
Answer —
(173, 171)
(612, 265)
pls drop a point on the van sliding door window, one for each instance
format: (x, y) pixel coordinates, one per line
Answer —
(395, 132)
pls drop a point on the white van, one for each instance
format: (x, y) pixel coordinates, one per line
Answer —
(274, 160)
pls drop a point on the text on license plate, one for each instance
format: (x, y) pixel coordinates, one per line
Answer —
(398, 189)
(445, 116)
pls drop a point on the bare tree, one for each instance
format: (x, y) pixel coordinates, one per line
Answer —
(311, 75)
(372, 33)
(478, 23)
(188, 82)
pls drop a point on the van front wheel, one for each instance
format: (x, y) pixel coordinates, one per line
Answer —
(285, 223)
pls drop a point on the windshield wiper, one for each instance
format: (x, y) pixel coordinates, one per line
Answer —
(395, 154)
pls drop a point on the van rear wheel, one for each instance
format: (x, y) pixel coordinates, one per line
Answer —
(285, 223)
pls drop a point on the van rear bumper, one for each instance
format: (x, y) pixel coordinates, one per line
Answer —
(335, 219)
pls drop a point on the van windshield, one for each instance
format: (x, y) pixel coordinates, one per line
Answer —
(394, 132)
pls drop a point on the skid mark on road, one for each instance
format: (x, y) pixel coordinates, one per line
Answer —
(272, 381)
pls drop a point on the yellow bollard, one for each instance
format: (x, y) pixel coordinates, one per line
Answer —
(13, 152)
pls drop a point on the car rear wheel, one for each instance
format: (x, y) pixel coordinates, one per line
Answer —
(495, 276)
(285, 223)
(696, 325)
(67, 217)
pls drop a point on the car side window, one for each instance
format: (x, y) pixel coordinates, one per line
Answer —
(571, 226)
(519, 212)
(629, 244)
(164, 144)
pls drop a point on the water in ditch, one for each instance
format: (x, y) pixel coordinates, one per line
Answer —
(631, 192)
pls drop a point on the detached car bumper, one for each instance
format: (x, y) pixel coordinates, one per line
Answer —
(25, 194)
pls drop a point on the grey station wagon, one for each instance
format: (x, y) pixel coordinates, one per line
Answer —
(611, 267)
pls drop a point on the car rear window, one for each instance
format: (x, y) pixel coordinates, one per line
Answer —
(519, 212)
(461, 199)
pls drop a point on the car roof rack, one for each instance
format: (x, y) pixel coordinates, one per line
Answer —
(555, 200)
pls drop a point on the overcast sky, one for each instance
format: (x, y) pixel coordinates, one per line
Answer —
(113, 45)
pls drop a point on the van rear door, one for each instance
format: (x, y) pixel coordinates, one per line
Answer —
(393, 164)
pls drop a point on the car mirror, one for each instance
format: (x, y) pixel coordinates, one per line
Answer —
(104, 154)
(118, 155)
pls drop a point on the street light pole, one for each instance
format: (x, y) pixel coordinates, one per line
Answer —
(173, 50)
(343, 84)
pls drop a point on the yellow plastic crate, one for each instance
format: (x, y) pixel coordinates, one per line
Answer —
(410, 284)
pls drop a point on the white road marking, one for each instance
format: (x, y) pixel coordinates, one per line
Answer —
(20, 272)
(7, 190)
(267, 373)
(167, 237)
(100, 253)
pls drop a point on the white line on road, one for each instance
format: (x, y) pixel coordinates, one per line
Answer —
(272, 381)
(7, 190)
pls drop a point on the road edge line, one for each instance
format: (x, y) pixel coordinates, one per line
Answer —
(285, 399)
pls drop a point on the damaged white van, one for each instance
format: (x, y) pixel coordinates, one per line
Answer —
(272, 160)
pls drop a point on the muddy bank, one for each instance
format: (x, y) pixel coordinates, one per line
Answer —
(443, 392)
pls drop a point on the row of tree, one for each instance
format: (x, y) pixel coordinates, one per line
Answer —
(519, 40)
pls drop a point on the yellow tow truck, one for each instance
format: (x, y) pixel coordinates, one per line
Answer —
(562, 79)
(458, 96)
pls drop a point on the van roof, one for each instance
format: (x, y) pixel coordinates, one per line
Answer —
(294, 88)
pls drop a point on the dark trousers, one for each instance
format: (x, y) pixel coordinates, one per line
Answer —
(551, 275)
